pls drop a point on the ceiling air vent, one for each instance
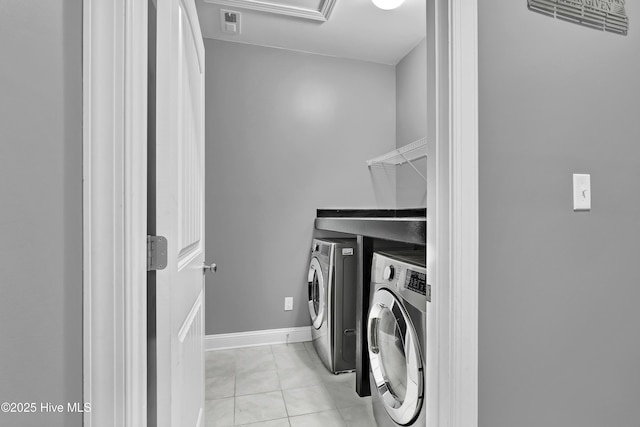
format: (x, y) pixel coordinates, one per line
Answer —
(230, 21)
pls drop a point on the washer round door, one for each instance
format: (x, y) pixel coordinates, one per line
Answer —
(316, 293)
(394, 355)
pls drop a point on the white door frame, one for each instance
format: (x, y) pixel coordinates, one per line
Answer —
(114, 212)
(463, 202)
(452, 217)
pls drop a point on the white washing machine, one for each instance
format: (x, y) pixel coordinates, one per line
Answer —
(332, 302)
(396, 334)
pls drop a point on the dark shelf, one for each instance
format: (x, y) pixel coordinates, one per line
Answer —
(372, 213)
(409, 230)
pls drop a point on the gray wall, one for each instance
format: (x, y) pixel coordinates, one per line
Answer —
(411, 113)
(286, 133)
(559, 291)
(41, 207)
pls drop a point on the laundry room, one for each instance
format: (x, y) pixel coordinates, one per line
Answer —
(298, 112)
(316, 118)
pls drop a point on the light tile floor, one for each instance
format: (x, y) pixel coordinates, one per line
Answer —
(280, 386)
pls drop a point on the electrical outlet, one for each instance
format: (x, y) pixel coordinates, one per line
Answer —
(288, 303)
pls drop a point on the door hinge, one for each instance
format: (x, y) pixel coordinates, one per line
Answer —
(156, 253)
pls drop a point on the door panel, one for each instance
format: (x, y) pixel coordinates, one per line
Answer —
(180, 214)
(190, 145)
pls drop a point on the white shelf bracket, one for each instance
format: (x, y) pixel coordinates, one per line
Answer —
(414, 167)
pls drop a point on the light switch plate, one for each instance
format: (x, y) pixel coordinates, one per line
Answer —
(581, 192)
(288, 303)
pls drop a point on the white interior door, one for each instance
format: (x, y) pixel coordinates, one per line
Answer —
(180, 214)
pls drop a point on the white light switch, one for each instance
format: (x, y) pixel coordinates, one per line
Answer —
(581, 192)
(288, 303)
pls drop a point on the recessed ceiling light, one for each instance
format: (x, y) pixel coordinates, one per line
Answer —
(387, 4)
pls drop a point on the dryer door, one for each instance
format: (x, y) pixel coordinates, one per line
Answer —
(396, 364)
(316, 293)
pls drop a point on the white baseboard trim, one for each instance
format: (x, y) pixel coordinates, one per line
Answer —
(256, 338)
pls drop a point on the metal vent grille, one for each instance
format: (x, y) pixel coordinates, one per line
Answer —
(605, 15)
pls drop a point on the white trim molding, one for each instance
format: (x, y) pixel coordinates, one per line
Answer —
(320, 13)
(256, 338)
(114, 212)
(464, 212)
(452, 217)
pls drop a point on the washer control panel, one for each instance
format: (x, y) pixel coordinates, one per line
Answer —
(416, 282)
(405, 278)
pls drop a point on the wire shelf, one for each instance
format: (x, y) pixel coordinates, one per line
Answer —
(407, 154)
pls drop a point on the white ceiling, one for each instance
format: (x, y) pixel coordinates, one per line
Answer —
(355, 29)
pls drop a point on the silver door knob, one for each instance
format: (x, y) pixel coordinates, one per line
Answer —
(212, 268)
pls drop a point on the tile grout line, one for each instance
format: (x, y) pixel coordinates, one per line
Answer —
(235, 383)
(285, 406)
